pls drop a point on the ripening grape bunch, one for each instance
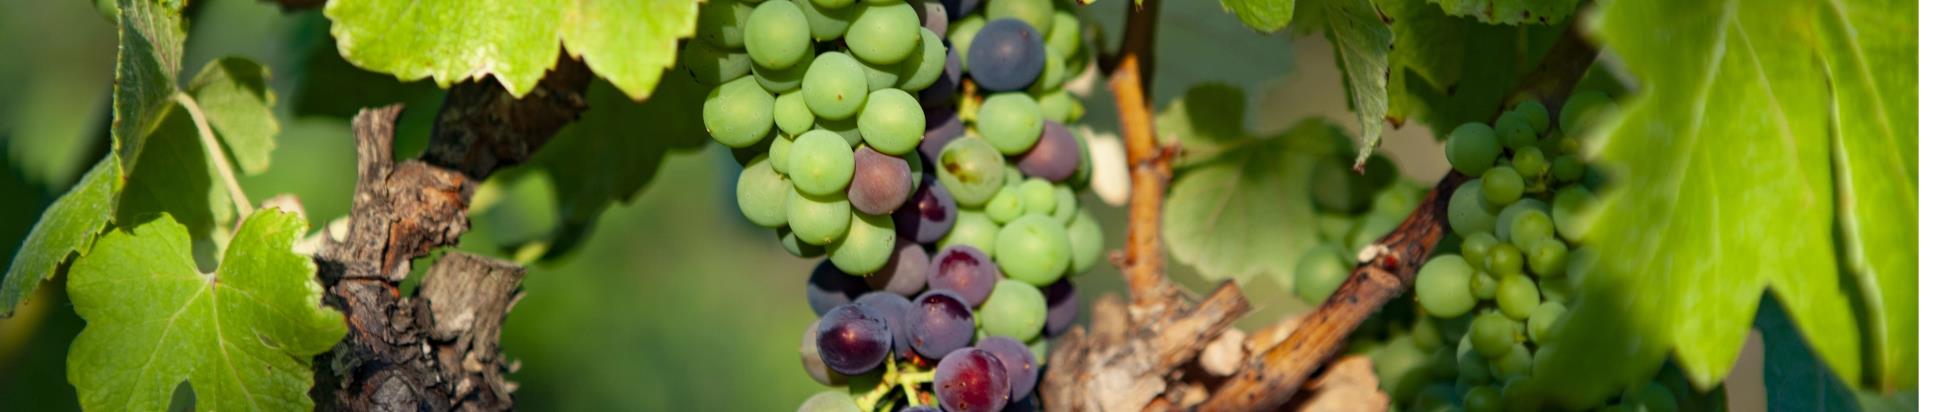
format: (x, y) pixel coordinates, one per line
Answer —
(920, 147)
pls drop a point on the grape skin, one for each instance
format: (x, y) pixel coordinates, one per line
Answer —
(738, 113)
(942, 127)
(830, 401)
(905, 272)
(892, 122)
(1054, 157)
(1502, 185)
(1006, 55)
(815, 367)
(1011, 122)
(1516, 296)
(893, 308)
(971, 170)
(712, 66)
(939, 323)
(828, 287)
(926, 65)
(776, 33)
(826, 23)
(884, 34)
(762, 193)
(928, 215)
(866, 246)
(1033, 249)
(1320, 271)
(964, 271)
(1022, 371)
(1063, 305)
(835, 86)
(818, 220)
(971, 380)
(1443, 287)
(972, 228)
(1473, 148)
(880, 183)
(1086, 242)
(1469, 212)
(1014, 309)
(821, 164)
(853, 339)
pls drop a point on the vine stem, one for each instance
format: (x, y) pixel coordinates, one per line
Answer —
(216, 155)
(1130, 72)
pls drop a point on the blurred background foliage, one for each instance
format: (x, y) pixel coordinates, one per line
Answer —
(671, 300)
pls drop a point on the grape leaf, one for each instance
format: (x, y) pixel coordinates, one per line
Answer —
(1795, 379)
(233, 92)
(145, 67)
(627, 42)
(1446, 71)
(1264, 15)
(1362, 41)
(242, 337)
(615, 148)
(1242, 211)
(67, 227)
(1701, 221)
(1511, 12)
(175, 177)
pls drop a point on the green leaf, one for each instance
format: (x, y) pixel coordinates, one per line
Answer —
(1248, 212)
(1362, 41)
(1724, 161)
(67, 227)
(1875, 156)
(174, 177)
(241, 337)
(1207, 120)
(1446, 71)
(629, 43)
(610, 153)
(233, 93)
(1511, 12)
(1264, 15)
(1795, 379)
(145, 68)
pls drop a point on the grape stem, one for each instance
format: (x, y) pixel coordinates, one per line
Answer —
(216, 155)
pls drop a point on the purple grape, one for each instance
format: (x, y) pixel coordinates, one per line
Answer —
(1062, 306)
(959, 8)
(919, 408)
(932, 15)
(928, 215)
(939, 323)
(963, 270)
(905, 271)
(854, 339)
(1054, 157)
(894, 308)
(829, 287)
(814, 365)
(942, 127)
(940, 93)
(880, 183)
(971, 380)
(1006, 55)
(1022, 370)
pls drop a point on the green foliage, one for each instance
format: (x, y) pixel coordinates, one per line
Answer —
(615, 148)
(67, 227)
(242, 337)
(1681, 273)
(234, 93)
(1510, 12)
(1264, 15)
(1795, 377)
(144, 71)
(1362, 40)
(1445, 71)
(628, 43)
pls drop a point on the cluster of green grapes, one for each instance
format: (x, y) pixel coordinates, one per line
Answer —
(1354, 209)
(934, 173)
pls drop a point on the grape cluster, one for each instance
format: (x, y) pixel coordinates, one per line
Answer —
(1354, 209)
(920, 146)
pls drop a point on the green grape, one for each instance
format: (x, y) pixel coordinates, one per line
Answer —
(1005, 205)
(971, 170)
(1334, 227)
(743, 155)
(1471, 366)
(1065, 204)
(818, 220)
(1556, 289)
(1085, 241)
(1051, 73)
(722, 23)
(867, 246)
(1443, 287)
(711, 66)
(1515, 131)
(1476, 247)
(1064, 36)
(826, 23)
(1337, 188)
(916, 167)
(1398, 199)
(926, 65)
(1517, 296)
(833, 4)
(1502, 186)
(1548, 257)
(1530, 163)
(884, 34)
(1469, 212)
(835, 400)
(738, 113)
(972, 228)
(1568, 211)
(1530, 227)
(1033, 249)
(1567, 169)
(1014, 309)
(1484, 398)
(1473, 148)
(847, 129)
(1372, 227)
(892, 122)
(776, 35)
(834, 86)
(1014, 178)
(797, 247)
(1582, 110)
(1457, 326)
(1058, 106)
(1651, 397)
(1513, 364)
(1534, 111)
(960, 36)
(762, 192)
(1492, 335)
(1442, 361)
(783, 80)
(1011, 122)
(1483, 285)
(821, 163)
(1505, 260)
(1320, 271)
(1037, 13)
(790, 113)
(1509, 214)
(1429, 338)
(1038, 195)
(880, 76)
(1542, 319)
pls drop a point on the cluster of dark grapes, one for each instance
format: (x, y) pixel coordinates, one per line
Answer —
(933, 173)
